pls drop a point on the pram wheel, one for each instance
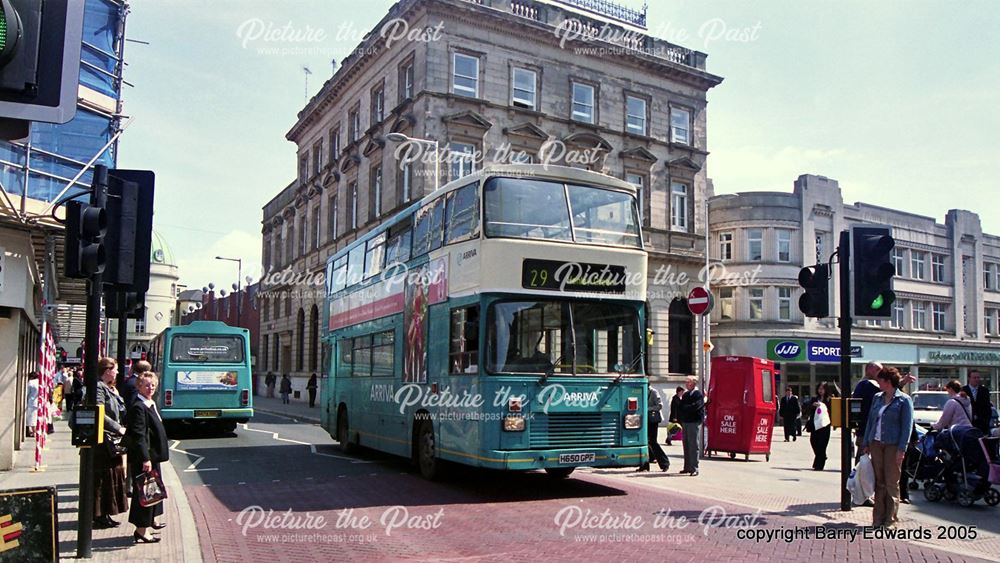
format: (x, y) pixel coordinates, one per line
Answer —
(933, 492)
(965, 497)
(992, 497)
(950, 495)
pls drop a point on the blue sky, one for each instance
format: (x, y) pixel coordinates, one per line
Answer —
(896, 100)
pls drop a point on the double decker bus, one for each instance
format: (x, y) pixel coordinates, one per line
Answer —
(205, 374)
(498, 322)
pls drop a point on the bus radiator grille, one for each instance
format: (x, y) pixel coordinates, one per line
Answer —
(573, 430)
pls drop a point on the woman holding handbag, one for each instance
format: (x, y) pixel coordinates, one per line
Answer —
(109, 469)
(819, 438)
(147, 449)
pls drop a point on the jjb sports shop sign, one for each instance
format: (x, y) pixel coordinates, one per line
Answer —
(794, 350)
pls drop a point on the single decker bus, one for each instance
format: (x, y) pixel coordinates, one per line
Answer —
(205, 374)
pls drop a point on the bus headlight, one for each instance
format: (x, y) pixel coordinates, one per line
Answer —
(632, 422)
(512, 423)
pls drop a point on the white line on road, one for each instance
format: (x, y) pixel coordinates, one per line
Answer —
(194, 464)
(312, 448)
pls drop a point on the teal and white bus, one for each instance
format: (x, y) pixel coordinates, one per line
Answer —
(498, 322)
(205, 374)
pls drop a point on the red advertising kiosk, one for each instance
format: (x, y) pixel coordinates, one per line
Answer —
(741, 406)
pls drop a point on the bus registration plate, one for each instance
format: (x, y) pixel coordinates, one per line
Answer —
(576, 458)
(207, 414)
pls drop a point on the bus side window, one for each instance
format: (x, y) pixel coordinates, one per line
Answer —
(463, 355)
(463, 214)
(346, 365)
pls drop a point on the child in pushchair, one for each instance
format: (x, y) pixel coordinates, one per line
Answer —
(954, 464)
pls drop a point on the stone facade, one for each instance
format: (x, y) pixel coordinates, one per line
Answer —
(946, 318)
(466, 105)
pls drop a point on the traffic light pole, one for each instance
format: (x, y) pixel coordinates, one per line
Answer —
(844, 257)
(85, 514)
(122, 335)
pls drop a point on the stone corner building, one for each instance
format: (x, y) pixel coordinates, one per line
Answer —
(489, 79)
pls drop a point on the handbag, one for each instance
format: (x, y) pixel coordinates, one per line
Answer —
(114, 445)
(149, 489)
(655, 417)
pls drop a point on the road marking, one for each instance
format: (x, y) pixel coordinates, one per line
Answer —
(194, 464)
(242, 483)
(276, 480)
(312, 448)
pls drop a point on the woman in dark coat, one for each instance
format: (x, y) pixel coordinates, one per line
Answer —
(147, 449)
(109, 469)
(312, 386)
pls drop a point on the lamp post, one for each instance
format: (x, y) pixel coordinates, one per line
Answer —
(401, 138)
(239, 278)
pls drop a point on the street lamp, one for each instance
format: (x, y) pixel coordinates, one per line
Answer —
(401, 138)
(239, 275)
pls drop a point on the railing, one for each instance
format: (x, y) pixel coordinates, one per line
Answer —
(524, 10)
(611, 10)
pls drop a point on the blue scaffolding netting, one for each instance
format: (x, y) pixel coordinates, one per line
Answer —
(59, 152)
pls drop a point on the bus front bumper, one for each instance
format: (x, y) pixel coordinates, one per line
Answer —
(524, 460)
(241, 415)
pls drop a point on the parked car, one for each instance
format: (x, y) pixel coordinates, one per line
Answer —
(927, 407)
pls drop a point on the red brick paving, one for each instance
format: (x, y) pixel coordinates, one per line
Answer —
(497, 516)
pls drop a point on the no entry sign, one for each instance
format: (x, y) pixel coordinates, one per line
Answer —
(700, 301)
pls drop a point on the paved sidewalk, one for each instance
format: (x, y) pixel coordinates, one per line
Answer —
(295, 409)
(61, 468)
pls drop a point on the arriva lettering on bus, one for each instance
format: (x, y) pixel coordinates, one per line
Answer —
(382, 393)
(556, 394)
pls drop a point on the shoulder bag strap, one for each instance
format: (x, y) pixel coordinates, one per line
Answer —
(961, 406)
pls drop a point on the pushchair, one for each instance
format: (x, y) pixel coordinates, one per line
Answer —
(965, 461)
(922, 463)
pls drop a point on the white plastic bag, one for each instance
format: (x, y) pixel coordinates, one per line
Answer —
(861, 483)
(866, 476)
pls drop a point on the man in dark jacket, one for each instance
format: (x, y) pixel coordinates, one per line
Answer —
(982, 407)
(691, 416)
(789, 410)
(865, 390)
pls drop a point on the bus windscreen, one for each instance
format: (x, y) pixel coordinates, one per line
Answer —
(206, 349)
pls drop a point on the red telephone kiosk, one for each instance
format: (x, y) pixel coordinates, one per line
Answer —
(741, 406)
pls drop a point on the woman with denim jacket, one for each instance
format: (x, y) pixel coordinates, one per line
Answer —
(890, 422)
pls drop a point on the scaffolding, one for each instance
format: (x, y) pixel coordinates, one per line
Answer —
(56, 162)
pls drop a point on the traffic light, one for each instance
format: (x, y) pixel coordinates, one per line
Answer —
(872, 270)
(127, 304)
(815, 280)
(130, 229)
(40, 44)
(84, 252)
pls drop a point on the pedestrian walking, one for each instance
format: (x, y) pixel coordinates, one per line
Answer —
(675, 410)
(109, 468)
(692, 415)
(818, 423)
(286, 388)
(147, 450)
(654, 408)
(982, 407)
(311, 387)
(31, 407)
(957, 410)
(865, 390)
(75, 396)
(890, 424)
(269, 380)
(790, 410)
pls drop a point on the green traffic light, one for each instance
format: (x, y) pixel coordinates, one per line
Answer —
(3, 30)
(878, 302)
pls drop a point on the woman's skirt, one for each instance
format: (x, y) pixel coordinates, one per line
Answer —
(109, 472)
(137, 515)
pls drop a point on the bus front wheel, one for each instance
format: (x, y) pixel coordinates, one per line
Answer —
(427, 461)
(343, 432)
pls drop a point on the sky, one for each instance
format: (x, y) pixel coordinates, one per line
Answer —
(896, 100)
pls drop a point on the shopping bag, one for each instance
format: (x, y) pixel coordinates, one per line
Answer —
(149, 489)
(866, 475)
